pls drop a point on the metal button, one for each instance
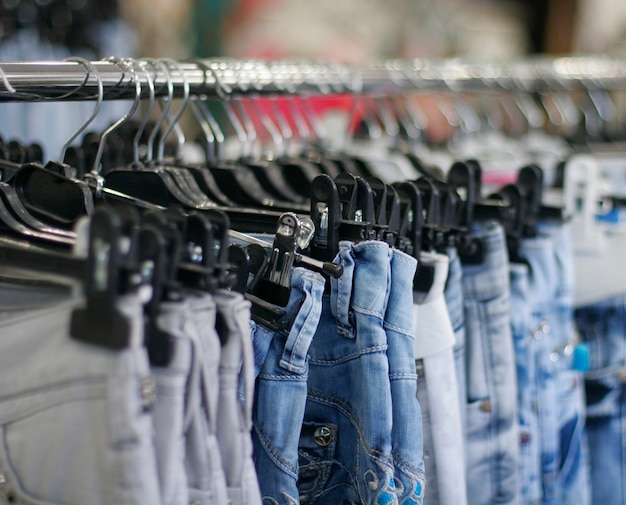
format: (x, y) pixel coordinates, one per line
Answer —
(323, 436)
(486, 406)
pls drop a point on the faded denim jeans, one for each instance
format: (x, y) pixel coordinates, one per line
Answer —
(603, 327)
(492, 418)
(236, 395)
(75, 419)
(406, 436)
(281, 389)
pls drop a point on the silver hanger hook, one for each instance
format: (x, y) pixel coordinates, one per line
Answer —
(174, 120)
(90, 68)
(6, 82)
(199, 113)
(129, 65)
(146, 116)
(166, 108)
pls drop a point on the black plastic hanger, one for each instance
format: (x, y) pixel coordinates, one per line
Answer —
(100, 322)
(154, 184)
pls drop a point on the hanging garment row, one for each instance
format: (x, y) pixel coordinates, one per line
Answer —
(367, 325)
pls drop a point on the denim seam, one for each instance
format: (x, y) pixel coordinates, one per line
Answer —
(403, 331)
(349, 357)
(494, 414)
(412, 376)
(310, 320)
(380, 457)
(368, 312)
(406, 468)
(293, 378)
(273, 453)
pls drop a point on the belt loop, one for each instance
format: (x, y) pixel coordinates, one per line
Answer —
(341, 292)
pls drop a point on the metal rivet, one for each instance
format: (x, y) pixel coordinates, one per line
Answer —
(486, 406)
(323, 436)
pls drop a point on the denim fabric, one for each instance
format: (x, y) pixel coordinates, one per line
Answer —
(169, 409)
(236, 390)
(203, 462)
(492, 418)
(543, 281)
(573, 479)
(444, 436)
(529, 437)
(281, 387)
(345, 445)
(453, 294)
(603, 327)
(75, 423)
(406, 434)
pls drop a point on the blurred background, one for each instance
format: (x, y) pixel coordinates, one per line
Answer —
(339, 30)
(352, 31)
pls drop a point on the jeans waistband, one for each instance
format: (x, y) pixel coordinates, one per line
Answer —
(304, 308)
(489, 279)
(364, 285)
(539, 254)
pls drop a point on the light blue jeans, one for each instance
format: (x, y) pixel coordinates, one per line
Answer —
(281, 389)
(529, 437)
(346, 443)
(492, 417)
(543, 282)
(573, 470)
(406, 435)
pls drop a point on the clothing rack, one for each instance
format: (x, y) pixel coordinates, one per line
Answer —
(76, 80)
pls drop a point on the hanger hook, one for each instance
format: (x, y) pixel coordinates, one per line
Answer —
(146, 117)
(127, 64)
(166, 108)
(6, 82)
(90, 68)
(179, 113)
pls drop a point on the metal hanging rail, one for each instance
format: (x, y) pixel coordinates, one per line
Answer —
(73, 80)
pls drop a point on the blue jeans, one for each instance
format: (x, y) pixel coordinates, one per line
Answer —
(603, 327)
(573, 477)
(529, 440)
(281, 389)
(345, 446)
(543, 283)
(492, 418)
(406, 435)
(453, 294)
